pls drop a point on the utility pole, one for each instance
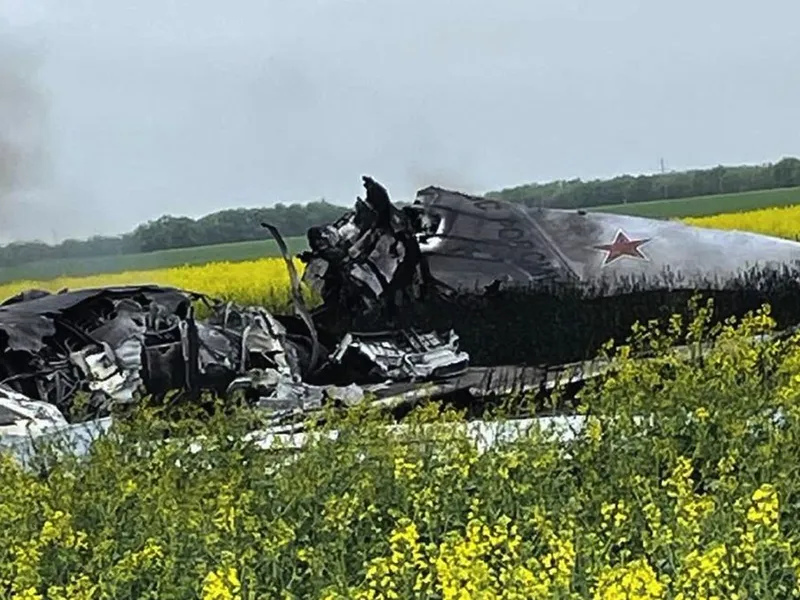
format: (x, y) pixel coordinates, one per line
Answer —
(663, 179)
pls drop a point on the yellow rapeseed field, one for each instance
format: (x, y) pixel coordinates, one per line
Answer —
(699, 502)
(263, 281)
(778, 221)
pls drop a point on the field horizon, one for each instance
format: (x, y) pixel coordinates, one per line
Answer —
(703, 206)
(46, 270)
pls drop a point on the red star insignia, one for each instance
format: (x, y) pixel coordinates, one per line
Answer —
(622, 246)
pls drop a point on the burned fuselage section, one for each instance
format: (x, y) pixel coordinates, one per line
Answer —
(447, 243)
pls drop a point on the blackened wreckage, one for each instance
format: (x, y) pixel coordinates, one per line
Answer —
(114, 345)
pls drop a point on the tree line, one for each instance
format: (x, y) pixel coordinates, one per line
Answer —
(169, 232)
(575, 193)
(242, 224)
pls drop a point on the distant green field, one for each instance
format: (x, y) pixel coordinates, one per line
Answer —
(50, 269)
(701, 206)
(685, 207)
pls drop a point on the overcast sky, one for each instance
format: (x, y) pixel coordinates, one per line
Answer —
(115, 113)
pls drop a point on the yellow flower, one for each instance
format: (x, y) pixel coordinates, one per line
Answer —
(594, 429)
(633, 580)
(222, 584)
(704, 575)
(29, 594)
(614, 515)
(405, 567)
(764, 510)
(79, 588)
(407, 470)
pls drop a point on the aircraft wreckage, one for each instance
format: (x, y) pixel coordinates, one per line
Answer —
(113, 345)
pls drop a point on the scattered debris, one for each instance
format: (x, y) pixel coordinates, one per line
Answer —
(115, 345)
(118, 344)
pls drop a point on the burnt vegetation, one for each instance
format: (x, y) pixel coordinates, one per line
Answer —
(561, 323)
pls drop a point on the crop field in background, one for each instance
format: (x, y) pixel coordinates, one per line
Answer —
(251, 280)
(264, 281)
(245, 251)
(76, 267)
(705, 205)
(778, 221)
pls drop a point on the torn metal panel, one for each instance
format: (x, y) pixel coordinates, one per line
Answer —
(278, 394)
(105, 377)
(297, 298)
(40, 333)
(368, 255)
(19, 415)
(26, 332)
(403, 355)
(78, 438)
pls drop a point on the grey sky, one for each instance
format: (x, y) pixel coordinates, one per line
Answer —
(189, 106)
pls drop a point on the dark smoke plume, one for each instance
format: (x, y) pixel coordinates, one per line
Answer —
(23, 119)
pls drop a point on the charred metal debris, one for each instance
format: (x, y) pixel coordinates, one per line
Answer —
(113, 345)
